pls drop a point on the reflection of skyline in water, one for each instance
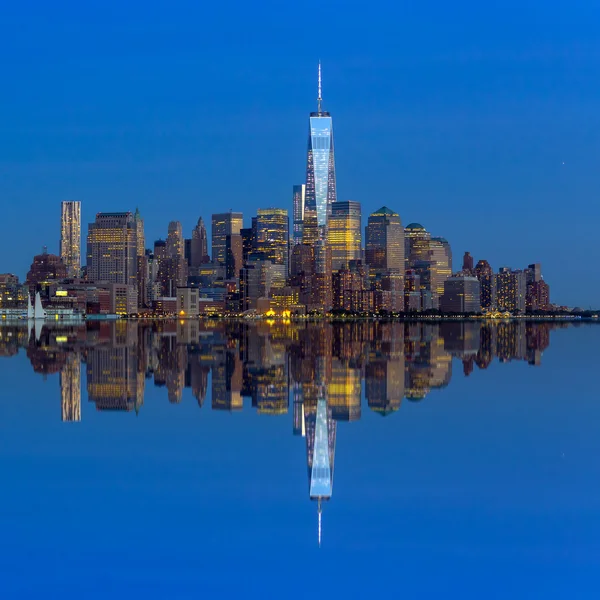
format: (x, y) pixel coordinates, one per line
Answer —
(325, 368)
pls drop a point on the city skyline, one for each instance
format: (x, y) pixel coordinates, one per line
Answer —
(495, 199)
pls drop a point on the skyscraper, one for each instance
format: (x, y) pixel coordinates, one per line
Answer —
(112, 248)
(70, 236)
(224, 224)
(344, 233)
(385, 241)
(299, 198)
(272, 236)
(199, 245)
(468, 263)
(487, 280)
(139, 231)
(511, 290)
(320, 172)
(416, 244)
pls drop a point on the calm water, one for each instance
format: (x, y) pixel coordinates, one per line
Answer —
(185, 460)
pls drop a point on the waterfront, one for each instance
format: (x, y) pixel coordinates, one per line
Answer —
(147, 456)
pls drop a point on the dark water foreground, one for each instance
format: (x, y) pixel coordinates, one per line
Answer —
(184, 459)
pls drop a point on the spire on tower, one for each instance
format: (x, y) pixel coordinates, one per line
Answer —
(319, 98)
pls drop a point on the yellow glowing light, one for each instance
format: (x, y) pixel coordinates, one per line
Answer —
(61, 339)
(61, 293)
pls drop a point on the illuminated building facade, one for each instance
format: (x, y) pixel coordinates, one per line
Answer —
(344, 233)
(224, 224)
(487, 281)
(511, 289)
(385, 242)
(416, 244)
(272, 236)
(320, 173)
(112, 248)
(440, 255)
(70, 237)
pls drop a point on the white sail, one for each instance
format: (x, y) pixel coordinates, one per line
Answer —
(39, 312)
(30, 314)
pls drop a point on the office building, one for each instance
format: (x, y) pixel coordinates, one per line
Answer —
(416, 244)
(272, 236)
(461, 295)
(468, 264)
(45, 268)
(199, 245)
(344, 233)
(511, 289)
(298, 201)
(320, 173)
(385, 242)
(233, 256)
(112, 248)
(70, 237)
(224, 224)
(440, 255)
(487, 281)
(139, 232)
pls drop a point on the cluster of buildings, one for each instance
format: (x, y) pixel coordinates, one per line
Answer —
(325, 262)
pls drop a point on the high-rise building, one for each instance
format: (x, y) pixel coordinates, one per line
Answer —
(344, 233)
(538, 291)
(233, 256)
(320, 172)
(487, 280)
(199, 245)
(70, 236)
(176, 254)
(224, 224)
(511, 290)
(272, 236)
(440, 255)
(385, 241)
(298, 201)
(461, 295)
(139, 231)
(112, 248)
(468, 263)
(416, 244)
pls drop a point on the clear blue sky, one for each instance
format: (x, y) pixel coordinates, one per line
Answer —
(480, 121)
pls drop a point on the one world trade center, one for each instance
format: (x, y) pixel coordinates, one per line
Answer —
(320, 173)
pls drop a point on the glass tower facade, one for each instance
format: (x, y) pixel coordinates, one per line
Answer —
(224, 224)
(385, 241)
(344, 233)
(320, 173)
(272, 235)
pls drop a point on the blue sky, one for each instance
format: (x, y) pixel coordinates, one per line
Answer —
(478, 120)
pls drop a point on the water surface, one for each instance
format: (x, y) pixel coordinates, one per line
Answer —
(179, 460)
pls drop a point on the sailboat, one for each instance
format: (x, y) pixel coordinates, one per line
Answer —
(39, 312)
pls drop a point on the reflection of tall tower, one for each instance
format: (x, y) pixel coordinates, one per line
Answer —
(320, 173)
(70, 388)
(320, 449)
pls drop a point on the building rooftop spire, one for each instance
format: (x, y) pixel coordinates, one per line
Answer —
(319, 97)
